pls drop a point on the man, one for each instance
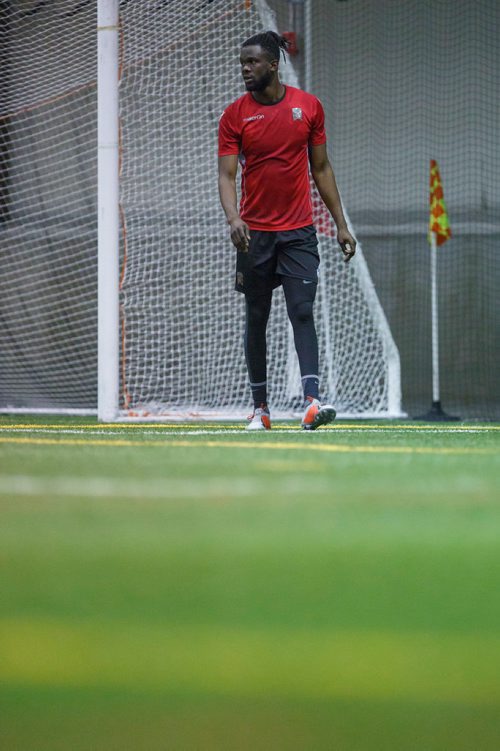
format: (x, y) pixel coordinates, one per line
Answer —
(276, 132)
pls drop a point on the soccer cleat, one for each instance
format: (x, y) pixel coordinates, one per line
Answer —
(260, 420)
(315, 414)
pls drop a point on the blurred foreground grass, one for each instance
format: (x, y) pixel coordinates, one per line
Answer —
(227, 591)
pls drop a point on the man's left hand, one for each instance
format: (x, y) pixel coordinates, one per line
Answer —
(347, 244)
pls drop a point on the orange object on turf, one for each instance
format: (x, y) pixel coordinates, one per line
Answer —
(311, 412)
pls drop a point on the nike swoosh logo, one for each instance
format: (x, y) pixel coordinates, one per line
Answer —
(306, 281)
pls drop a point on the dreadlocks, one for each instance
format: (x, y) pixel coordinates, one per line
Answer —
(271, 42)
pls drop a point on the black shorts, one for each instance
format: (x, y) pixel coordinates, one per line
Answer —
(273, 255)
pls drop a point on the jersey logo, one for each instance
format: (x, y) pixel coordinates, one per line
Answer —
(254, 117)
(296, 113)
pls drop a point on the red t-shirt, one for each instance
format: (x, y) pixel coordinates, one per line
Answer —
(272, 142)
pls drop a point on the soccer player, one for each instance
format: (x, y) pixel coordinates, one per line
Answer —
(276, 132)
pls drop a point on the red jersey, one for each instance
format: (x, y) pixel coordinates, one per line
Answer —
(272, 142)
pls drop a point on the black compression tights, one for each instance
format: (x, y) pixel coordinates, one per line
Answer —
(299, 298)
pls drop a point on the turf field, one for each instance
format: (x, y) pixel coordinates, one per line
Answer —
(198, 587)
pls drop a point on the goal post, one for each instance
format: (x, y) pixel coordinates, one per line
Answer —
(108, 246)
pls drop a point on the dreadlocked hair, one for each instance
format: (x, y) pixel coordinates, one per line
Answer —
(271, 42)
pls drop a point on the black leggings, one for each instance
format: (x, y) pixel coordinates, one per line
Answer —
(299, 297)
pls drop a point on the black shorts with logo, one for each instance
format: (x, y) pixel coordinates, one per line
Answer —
(272, 255)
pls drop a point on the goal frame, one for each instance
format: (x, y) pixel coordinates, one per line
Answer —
(108, 404)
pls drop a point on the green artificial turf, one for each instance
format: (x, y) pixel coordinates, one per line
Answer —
(199, 587)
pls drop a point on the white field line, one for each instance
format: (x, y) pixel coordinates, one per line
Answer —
(215, 488)
(97, 432)
(216, 430)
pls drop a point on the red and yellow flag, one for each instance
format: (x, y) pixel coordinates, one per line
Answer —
(438, 219)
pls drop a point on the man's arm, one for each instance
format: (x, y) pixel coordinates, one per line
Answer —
(323, 176)
(240, 233)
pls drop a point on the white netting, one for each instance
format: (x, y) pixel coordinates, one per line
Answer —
(182, 322)
(48, 323)
(401, 83)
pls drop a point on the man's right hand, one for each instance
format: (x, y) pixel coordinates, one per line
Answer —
(240, 234)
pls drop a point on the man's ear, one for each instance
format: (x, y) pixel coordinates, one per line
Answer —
(274, 64)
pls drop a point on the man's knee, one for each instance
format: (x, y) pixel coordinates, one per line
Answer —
(301, 312)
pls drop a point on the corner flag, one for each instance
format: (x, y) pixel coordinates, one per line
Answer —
(439, 233)
(438, 219)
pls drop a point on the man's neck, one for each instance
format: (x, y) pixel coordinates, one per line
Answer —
(271, 95)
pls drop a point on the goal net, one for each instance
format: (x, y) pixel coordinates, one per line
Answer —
(181, 324)
(403, 83)
(48, 220)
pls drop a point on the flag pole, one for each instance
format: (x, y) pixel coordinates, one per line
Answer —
(434, 321)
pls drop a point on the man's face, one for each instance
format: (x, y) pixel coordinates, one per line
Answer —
(256, 68)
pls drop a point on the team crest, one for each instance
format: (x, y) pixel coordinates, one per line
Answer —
(296, 113)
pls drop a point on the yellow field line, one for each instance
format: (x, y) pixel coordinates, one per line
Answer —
(249, 445)
(222, 427)
(249, 663)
